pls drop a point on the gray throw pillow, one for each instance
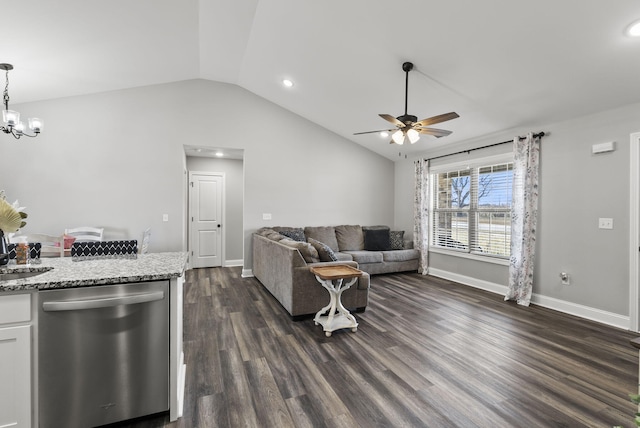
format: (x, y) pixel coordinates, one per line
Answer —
(396, 239)
(324, 234)
(307, 250)
(325, 252)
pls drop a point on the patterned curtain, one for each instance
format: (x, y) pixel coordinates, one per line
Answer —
(421, 214)
(524, 214)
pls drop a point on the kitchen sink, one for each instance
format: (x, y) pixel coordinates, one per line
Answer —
(21, 274)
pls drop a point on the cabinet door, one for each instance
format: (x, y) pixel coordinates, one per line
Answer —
(15, 376)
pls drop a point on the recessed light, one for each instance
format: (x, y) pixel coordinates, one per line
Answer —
(219, 154)
(384, 134)
(633, 30)
(288, 83)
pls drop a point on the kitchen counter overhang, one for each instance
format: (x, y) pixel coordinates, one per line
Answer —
(67, 273)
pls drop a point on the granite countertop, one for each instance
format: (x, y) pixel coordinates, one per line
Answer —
(66, 273)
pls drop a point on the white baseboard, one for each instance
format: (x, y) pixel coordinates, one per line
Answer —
(232, 263)
(247, 273)
(593, 314)
(467, 280)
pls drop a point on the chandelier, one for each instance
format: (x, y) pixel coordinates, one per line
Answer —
(12, 124)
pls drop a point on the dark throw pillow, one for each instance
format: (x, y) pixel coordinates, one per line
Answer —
(376, 239)
(396, 239)
(295, 234)
(325, 252)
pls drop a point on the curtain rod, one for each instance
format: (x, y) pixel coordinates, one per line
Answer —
(538, 135)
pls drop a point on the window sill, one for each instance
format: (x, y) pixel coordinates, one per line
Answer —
(465, 255)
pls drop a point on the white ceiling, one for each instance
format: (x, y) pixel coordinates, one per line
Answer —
(500, 64)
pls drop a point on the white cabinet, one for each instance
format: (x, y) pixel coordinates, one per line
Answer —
(15, 360)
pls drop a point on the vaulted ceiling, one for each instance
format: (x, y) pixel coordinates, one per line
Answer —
(500, 64)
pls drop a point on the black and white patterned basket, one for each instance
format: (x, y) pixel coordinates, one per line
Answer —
(104, 250)
(34, 250)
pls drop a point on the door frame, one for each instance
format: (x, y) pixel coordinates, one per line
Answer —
(222, 213)
(634, 231)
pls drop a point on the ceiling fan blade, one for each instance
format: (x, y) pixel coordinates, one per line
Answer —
(437, 119)
(393, 120)
(373, 132)
(433, 131)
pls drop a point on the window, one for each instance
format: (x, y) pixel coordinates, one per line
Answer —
(471, 208)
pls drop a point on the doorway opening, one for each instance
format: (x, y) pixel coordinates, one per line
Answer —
(203, 163)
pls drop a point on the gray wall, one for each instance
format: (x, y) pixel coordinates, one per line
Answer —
(576, 188)
(234, 195)
(116, 160)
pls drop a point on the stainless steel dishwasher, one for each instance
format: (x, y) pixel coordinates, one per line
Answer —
(103, 353)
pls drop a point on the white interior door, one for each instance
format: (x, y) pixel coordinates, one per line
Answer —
(206, 199)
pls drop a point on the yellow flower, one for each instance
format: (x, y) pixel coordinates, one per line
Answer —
(10, 218)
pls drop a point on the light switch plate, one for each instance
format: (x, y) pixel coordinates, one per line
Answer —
(266, 216)
(165, 217)
(605, 223)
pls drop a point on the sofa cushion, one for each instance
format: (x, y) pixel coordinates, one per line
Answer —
(400, 255)
(363, 257)
(308, 251)
(325, 234)
(344, 257)
(325, 252)
(376, 239)
(396, 239)
(350, 238)
(295, 233)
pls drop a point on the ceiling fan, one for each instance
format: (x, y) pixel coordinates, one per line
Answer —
(408, 127)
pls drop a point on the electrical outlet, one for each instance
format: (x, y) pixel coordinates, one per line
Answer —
(605, 223)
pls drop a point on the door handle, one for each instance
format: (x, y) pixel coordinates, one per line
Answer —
(219, 225)
(104, 302)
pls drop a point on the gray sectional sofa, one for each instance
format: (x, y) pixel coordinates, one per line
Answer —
(282, 257)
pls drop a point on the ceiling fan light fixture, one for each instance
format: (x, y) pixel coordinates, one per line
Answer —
(633, 30)
(408, 126)
(413, 136)
(398, 137)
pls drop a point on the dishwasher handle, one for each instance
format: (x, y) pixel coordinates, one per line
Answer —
(104, 302)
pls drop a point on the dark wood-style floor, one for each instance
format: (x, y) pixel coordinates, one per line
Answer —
(427, 353)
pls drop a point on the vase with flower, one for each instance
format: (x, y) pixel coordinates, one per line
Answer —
(11, 220)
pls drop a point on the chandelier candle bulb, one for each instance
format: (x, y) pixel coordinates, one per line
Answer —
(10, 117)
(35, 124)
